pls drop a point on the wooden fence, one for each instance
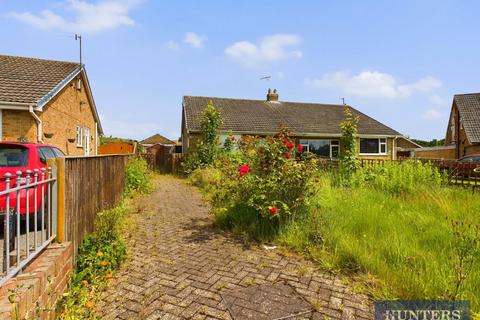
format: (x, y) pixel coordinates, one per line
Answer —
(87, 186)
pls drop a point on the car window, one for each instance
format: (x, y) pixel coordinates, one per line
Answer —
(13, 156)
(467, 159)
(45, 153)
(58, 152)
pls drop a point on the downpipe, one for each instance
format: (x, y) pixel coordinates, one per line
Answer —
(39, 124)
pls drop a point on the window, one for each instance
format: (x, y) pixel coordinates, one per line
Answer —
(58, 153)
(322, 148)
(79, 137)
(373, 146)
(13, 156)
(45, 153)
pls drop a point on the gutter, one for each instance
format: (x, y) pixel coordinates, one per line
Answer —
(39, 124)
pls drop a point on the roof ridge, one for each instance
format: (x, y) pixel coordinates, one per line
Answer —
(258, 100)
(40, 59)
(467, 94)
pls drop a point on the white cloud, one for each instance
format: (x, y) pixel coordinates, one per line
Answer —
(432, 114)
(87, 17)
(195, 40)
(436, 99)
(172, 45)
(373, 84)
(272, 48)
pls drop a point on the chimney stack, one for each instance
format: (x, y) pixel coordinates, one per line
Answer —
(272, 96)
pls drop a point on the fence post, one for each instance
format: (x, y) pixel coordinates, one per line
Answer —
(61, 232)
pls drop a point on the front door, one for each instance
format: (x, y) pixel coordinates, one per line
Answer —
(87, 142)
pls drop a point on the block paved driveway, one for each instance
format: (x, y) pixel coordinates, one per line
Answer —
(180, 265)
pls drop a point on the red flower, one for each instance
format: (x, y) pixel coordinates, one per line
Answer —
(272, 210)
(287, 155)
(285, 141)
(243, 170)
(290, 145)
(300, 147)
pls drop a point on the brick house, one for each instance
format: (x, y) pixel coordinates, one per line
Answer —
(463, 130)
(316, 126)
(44, 101)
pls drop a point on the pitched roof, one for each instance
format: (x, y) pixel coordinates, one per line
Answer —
(259, 116)
(157, 139)
(27, 80)
(469, 108)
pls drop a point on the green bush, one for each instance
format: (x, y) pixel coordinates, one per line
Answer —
(403, 177)
(137, 177)
(261, 186)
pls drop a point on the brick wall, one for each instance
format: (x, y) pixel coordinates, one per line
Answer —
(18, 125)
(67, 110)
(36, 291)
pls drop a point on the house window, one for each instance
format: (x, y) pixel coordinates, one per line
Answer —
(322, 148)
(79, 137)
(373, 146)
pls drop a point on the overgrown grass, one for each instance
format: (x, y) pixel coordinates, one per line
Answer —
(102, 252)
(398, 226)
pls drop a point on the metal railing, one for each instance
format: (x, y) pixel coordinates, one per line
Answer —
(23, 196)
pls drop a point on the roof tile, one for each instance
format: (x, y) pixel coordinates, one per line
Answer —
(26, 80)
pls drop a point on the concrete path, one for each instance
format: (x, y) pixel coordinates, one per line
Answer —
(181, 267)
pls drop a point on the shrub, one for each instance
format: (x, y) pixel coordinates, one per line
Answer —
(262, 185)
(403, 177)
(208, 149)
(349, 161)
(137, 176)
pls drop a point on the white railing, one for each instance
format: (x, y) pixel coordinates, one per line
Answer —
(23, 196)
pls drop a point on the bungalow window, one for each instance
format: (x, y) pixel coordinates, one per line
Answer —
(322, 148)
(373, 146)
(79, 137)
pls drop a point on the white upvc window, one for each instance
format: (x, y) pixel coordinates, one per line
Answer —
(373, 146)
(322, 147)
(79, 137)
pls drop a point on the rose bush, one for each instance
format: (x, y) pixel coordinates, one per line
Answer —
(267, 179)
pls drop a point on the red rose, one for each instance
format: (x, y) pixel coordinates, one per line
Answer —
(272, 210)
(285, 141)
(300, 147)
(287, 155)
(243, 170)
(290, 145)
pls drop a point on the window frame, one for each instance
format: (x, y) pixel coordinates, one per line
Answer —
(79, 137)
(380, 144)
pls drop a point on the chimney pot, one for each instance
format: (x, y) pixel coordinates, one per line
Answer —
(272, 96)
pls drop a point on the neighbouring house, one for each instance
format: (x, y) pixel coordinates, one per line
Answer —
(463, 130)
(314, 125)
(46, 101)
(157, 139)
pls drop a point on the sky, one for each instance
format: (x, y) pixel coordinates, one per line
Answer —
(400, 62)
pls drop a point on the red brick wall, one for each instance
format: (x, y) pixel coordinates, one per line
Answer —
(37, 289)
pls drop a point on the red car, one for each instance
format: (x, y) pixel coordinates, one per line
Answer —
(22, 157)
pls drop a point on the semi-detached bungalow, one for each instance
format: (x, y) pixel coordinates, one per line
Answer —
(45, 101)
(316, 126)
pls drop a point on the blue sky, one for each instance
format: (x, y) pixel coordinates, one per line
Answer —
(400, 62)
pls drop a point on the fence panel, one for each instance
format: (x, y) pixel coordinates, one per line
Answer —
(92, 184)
